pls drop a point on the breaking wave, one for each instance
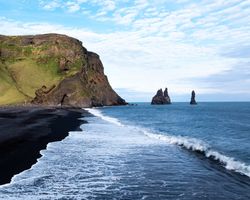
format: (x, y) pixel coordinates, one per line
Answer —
(200, 146)
(192, 144)
(98, 113)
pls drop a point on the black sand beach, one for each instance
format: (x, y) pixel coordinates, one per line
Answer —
(24, 131)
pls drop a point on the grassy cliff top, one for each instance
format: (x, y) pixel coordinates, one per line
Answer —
(29, 62)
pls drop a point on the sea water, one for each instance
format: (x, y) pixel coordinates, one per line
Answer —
(173, 151)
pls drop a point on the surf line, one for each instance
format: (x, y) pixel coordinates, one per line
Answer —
(192, 144)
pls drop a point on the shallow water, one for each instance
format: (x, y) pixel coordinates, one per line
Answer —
(146, 152)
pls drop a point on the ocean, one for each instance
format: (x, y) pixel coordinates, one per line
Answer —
(175, 151)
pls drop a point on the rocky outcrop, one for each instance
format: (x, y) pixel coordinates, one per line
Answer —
(193, 101)
(86, 88)
(161, 98)
(64, 73)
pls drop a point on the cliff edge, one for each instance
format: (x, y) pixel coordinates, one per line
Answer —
(52, 70)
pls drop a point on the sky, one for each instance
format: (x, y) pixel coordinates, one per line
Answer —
(184, 45)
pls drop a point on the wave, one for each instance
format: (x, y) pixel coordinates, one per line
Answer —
(199, 146)
(98, 113)
(192, 144)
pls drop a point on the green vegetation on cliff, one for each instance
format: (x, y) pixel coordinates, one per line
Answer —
(24, 68)
(36, 68)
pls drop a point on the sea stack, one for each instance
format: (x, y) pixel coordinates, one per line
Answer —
(193, 101)
(161, 98)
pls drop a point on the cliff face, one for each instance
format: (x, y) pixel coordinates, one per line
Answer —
(52, 70)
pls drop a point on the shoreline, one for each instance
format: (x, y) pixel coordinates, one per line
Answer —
(26, 130)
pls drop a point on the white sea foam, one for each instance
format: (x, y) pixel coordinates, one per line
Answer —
(91, 163)
(193, 144)
(189, 143)
(197, 145)
(98, 113)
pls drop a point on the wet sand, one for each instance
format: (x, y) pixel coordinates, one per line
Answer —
(24, 131)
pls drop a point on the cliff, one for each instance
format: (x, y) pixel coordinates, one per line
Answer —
(161, 97)
(52, 70)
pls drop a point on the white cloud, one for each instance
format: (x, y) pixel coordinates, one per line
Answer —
(141, 63)
(72, 6)
(132, 61)
(52, 5)
(109, 5)
(76, 5)
(158, 47)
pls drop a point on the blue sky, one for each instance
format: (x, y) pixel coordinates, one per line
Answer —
(145, 44)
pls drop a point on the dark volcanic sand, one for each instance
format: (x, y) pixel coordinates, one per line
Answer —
(26, 131)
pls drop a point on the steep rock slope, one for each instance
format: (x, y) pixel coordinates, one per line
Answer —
(52, 70)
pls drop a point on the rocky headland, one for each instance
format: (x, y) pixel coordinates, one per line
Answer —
(161, 98)
(52, 70)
